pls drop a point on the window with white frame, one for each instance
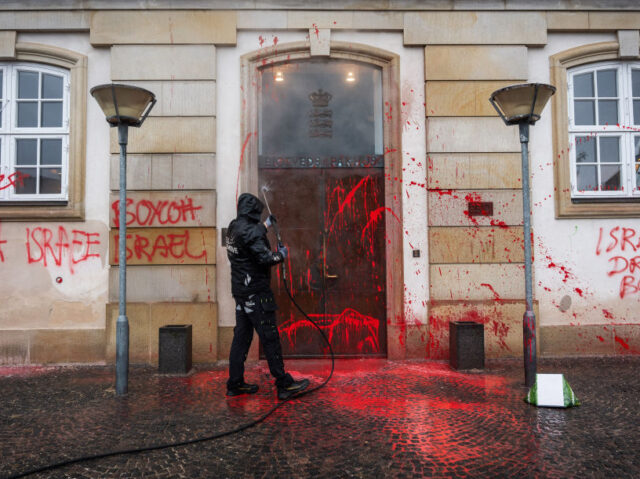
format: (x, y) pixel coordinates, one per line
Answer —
(34, 133)
(604, 130)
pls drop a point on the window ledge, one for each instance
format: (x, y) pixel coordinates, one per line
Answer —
(48, 211)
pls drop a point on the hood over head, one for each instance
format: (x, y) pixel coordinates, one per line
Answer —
(250, 207)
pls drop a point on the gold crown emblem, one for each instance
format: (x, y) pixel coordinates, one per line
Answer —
(320, 98)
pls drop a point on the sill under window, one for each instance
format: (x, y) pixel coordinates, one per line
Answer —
(604, 200)
(34, 203)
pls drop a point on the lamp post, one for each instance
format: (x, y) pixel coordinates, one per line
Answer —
(123, 106)
(522, 105)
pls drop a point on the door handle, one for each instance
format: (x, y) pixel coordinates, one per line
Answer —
(324, 260)
(326, 273)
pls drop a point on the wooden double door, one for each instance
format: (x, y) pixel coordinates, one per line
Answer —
(333, 222)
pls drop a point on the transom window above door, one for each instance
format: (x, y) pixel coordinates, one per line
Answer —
(604, 130)
(34, 133)
(320, 113)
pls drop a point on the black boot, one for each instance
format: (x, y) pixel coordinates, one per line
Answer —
(243, 388)
(295, 387)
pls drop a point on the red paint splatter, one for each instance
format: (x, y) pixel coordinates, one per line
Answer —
(350, 326)
(499, 224)
(622, 342)
(349, 198)
(375, 215)
(496, 296)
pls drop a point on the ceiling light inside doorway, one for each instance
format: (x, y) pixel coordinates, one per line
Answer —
(279, 76)
(350, 77)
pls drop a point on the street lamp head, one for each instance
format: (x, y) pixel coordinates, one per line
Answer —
(124, 104)
(521, 103)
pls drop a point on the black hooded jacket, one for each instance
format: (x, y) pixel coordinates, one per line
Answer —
(248, 249)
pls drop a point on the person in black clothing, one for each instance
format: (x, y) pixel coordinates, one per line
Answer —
(251, 258)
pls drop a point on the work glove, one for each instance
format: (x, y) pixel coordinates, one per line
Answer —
(283, 250)
(269, 221)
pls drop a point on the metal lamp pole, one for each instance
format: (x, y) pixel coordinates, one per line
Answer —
(529, 318)
(124, 106)
(122, 325)
(522, 105)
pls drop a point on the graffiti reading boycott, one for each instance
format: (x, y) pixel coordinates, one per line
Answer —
(145, 212)
(46, 247)
(622, 244)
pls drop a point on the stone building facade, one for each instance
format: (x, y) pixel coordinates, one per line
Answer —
(375, 163)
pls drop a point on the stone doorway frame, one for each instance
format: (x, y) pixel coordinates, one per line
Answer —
(392, 137)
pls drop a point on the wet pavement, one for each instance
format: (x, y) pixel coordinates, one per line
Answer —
(376, 418)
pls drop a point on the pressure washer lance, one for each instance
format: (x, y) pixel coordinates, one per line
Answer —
(276, 229)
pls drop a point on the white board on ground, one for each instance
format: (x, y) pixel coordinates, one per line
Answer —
(550, 391)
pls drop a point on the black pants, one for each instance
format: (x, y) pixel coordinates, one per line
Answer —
(257, 311)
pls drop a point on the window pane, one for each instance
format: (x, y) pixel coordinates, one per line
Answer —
(27, 114)
(607, 83)
(583, 85)
(607, 112)
(635, 83)
(587, 178)
(636, 112)
(584, 112)
(51, 86)
(51, 152)
(317, 111)
(50, 180)
(610, 149)
(27, 85)
(585, 149)
(51, 113)
(610, 178)
(26, 152)
(26, 182)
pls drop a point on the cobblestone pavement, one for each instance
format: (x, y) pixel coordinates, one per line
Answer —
(376, 418)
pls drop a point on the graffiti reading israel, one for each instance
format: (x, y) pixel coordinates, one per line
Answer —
(55, 247)
(145, 246)
(621, 244)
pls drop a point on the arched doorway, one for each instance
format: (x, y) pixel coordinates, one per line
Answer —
(322, 138)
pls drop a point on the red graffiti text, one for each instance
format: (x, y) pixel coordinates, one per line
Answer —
(144, 249)
(160, 212)
(621, 243)
(48, 247)
(14, 178)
